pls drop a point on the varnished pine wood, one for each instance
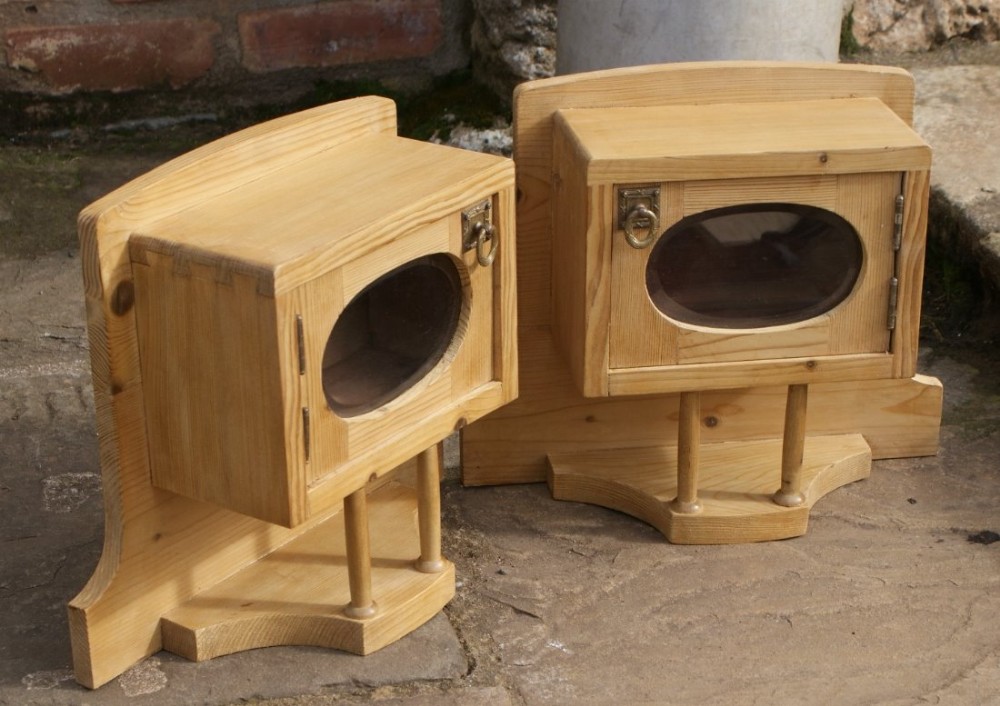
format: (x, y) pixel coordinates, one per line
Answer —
(163, 550)
(898, 416)
(138, 517)
(859, 143)
(737, 484)
(688, 453)
(429, 509)
(905, 337)
(267, 284)
(734, 140)
(296, 595)
(793, 439)
(359, 560)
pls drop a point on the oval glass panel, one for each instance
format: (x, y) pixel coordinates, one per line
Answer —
(391, 335)
(754, 265)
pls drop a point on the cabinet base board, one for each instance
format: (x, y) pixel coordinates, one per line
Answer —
(297, 594)
(737, 480)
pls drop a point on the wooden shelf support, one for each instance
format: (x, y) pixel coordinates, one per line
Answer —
(793, 442)
(359, 557)
(688, 453)
(429, 510)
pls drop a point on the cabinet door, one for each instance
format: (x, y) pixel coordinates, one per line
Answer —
(757, 269)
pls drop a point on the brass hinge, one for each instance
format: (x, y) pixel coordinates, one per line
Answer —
(897, 243)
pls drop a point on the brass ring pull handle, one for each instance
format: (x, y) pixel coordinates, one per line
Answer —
(640, 216)
(486, 233)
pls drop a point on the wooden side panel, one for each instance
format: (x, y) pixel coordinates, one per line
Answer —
(505, 360)
(579, 275)
(910, 266)
(209, 351)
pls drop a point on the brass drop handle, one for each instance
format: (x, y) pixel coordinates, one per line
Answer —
(486, 234)
(641, 217)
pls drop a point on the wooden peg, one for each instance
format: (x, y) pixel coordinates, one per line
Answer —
(359, 558)
(793, 443)
(688, 449)
(429, 510)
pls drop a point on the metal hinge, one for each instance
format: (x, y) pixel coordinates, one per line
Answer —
(305, 432)
(897, 243)
(300, 339)
(893, 301)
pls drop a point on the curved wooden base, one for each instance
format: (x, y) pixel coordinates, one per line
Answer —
(297, 595)
(738, 480)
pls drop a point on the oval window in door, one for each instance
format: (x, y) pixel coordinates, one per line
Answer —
(754, 265)
(392, 334)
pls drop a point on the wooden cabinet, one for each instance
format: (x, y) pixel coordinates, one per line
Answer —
(278, 320)
(248, 337)
(774, 252)
(777, 213)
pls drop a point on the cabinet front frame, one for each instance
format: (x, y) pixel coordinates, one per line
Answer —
(618, 355)
(471, 379)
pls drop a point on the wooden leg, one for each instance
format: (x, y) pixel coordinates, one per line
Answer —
(688, 450)
(359, 558)
(793, 442)
(429, 510)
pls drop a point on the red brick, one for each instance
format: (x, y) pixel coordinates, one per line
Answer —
(341, 32)
(115, 57)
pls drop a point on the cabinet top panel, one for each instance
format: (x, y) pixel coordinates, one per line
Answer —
(297, 221)
(732, 140)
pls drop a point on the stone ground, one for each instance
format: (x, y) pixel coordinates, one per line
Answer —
(893, 596)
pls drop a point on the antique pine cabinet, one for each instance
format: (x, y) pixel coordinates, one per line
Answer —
(847, 160)
(279, 322)
(719, 279)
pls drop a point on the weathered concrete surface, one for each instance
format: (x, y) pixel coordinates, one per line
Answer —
(893, 596)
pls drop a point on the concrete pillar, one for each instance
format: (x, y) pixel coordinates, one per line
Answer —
(600, 34)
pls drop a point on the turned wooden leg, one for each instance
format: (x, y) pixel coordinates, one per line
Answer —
(429, 510)
(359, 558)
(688, 448)
(793, 442)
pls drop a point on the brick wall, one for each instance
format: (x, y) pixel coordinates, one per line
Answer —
(51, 47)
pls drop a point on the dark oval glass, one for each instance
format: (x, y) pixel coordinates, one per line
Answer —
(391, 334)
(754, 265)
